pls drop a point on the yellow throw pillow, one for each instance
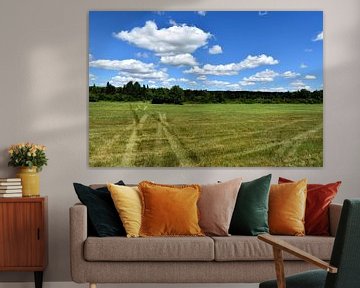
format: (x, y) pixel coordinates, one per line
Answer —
(169, 210)
(287, 203)
(127, 201)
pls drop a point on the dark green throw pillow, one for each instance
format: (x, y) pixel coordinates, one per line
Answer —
(250, 216)
(103, 218)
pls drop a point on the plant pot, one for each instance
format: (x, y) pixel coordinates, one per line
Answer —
(30, 181)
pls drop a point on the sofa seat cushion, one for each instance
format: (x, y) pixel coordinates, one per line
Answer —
(245, 248)
(149, 249)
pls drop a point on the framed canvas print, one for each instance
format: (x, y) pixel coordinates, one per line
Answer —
(205, 89)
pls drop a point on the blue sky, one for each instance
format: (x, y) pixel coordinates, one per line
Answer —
(213, 50)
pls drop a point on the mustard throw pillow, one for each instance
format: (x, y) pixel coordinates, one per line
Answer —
(127, 201)
(169, 210)
(287, 204)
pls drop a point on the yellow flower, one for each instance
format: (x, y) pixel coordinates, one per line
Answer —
(28, 154)
(11, 151)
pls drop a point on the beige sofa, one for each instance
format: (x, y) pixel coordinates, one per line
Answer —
(234, 259)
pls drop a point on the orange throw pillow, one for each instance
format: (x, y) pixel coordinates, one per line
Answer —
(169, 210)
(318, 200)
(287, 204)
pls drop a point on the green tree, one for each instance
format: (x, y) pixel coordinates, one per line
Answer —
(110, 89)
(176, 94)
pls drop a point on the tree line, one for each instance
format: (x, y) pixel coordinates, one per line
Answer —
(133, 91)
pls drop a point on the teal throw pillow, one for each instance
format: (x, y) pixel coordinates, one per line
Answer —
(250, 216)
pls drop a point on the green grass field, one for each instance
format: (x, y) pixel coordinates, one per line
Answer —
(204, 135)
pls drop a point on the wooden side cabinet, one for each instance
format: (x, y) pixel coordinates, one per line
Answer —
(23, 235)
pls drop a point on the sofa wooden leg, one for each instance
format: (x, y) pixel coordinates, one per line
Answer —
(92, 285)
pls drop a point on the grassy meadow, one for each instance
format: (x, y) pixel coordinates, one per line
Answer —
(203, 135)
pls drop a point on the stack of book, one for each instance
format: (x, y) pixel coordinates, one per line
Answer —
(10, 187)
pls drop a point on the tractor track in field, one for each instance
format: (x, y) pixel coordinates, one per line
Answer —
(296, 140)
(175, 145)
(130, 149)
(162, 132)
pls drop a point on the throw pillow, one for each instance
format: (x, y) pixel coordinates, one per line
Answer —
(169, 210)
(127, 201)
(102, 215)
(287, 204)
(319, 197)
(216, 206)
(250, 215)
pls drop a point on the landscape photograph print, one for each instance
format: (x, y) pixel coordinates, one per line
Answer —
(205, 89)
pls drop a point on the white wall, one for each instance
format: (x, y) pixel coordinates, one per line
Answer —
(43, 90)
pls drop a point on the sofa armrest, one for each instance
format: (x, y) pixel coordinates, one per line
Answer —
(334, 216)
(78, 235)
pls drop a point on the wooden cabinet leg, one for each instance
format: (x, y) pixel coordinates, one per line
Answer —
(38, 279)
(92, 285)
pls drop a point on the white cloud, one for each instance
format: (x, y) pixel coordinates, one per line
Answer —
(319, 37)
(183, 80)
(233, 68)
(263, 13)
(127, 65)
(246, 83)
(263, 76)
(308, 50)
(273, 89)
(310, 77)
(298, 85)
(158, 75)
(170, 80)
(290, 74)
(216, 49)
(255, 61)
(118, 80)
(179, 60)
(303, 66)
(202, 13)
(201, 77)
(223, 85)
(217, 82)
(130, 70)
(178, 39)
(172, 22)
(208, 69)
(91, 57)
(278, 89)
(92, 77)
(142, 55)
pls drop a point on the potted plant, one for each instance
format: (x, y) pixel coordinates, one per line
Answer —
(30, 158)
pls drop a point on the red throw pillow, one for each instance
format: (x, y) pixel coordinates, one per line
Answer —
(319, 197)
